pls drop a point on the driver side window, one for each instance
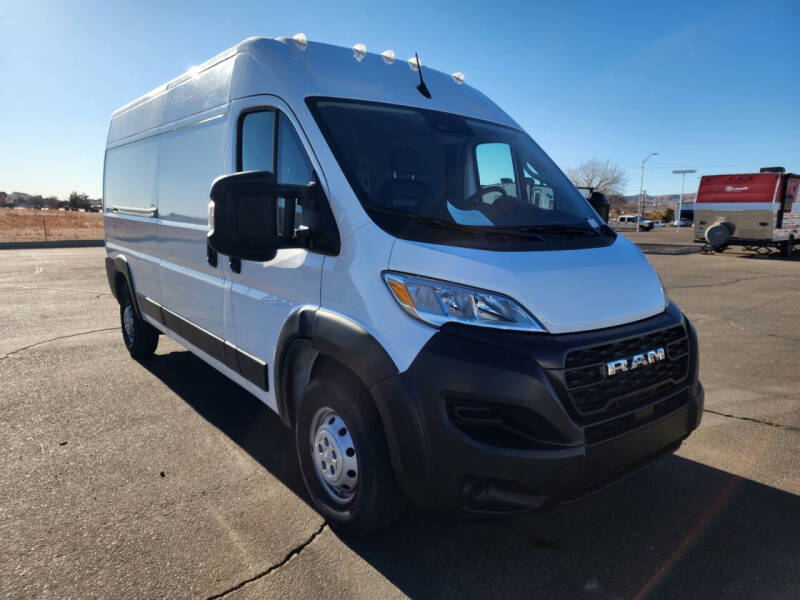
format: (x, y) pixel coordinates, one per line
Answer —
(495, 170)
(268, 142)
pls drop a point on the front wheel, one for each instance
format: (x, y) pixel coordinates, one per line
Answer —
(343, 455)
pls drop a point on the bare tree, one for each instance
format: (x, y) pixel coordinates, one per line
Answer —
(78, 201)
(602, 175)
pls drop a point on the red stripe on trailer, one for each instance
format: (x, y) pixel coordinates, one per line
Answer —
(747, 187)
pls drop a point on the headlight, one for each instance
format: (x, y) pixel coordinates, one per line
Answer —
(438, 302)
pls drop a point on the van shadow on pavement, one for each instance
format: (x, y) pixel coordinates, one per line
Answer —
(795, 256)
(679, 529)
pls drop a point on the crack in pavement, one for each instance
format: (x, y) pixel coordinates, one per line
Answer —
(789, 338)
(55, 339)
(20, 287)
(292, 553)
(723, 283)
(753, 420)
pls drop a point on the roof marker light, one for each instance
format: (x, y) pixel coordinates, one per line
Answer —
(458, 77)
(414, 63)
(359, 52)
(388, 56)
(300, 40)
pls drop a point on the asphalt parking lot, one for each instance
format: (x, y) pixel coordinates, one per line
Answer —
(165, 480)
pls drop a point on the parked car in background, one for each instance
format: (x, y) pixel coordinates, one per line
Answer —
(682, 223)
(659, 224)
(631, 223)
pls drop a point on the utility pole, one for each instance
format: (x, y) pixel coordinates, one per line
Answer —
(641, 189)
(682, 173)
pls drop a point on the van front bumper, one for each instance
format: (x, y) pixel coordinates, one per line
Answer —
(493, 421)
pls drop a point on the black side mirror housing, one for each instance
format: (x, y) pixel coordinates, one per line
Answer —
(600, 204)
(251, 217)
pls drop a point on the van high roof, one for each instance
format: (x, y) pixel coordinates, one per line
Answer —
(295, 69)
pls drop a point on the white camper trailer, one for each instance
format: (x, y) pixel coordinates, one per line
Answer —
(754, 210)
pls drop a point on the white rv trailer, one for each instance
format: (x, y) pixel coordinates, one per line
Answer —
(431, 336)
(754, 210)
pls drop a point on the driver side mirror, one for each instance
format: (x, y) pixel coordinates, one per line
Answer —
(251, 217)
(600, 204)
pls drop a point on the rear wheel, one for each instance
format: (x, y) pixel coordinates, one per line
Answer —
(140, 337)
(343, 455)
(786, 248)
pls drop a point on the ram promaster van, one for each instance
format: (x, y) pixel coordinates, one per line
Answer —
(389, 262)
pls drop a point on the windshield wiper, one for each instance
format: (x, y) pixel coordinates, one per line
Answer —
(472, 230)
(421, 219)
(568, 229)
(519, 232)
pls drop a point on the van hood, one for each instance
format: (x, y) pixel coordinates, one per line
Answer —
(566, 290)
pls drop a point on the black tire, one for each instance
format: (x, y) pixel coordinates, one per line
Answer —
(141, 339)
(377, 500)
(786, 248)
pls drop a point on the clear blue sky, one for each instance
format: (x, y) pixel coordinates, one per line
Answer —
(712, 86)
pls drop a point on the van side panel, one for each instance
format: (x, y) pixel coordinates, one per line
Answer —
(190, 158)
(131, 227)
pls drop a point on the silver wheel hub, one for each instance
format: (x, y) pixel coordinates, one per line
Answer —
(334, 455)
(127, 321)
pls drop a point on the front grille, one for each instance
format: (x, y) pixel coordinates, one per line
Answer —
(608, 352)
(593, 393)
(623, 424)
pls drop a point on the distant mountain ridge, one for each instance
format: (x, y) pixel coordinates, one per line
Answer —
(661, 201)
(653, 204)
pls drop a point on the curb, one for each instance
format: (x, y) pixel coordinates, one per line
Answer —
(675, 249)
(52, 244)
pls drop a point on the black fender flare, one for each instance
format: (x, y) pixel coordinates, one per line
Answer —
(310, 333)
(317, 331)
(119, 266)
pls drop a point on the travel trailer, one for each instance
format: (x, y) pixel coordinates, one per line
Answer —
(754, 210)
(383, 257)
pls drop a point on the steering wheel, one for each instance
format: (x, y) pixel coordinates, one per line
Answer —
(483, 191)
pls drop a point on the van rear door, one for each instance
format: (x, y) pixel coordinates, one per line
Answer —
(131, 210)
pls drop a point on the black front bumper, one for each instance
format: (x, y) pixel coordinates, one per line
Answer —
(494, 421)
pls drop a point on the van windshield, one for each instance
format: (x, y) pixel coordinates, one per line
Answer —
(435, 176)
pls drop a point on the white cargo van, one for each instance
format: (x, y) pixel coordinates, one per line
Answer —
(392, 264)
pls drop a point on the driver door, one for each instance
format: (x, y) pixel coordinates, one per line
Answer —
(264, 294)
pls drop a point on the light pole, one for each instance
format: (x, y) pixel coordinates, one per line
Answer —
(641, 189)
(682, 173)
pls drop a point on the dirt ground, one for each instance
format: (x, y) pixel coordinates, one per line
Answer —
(24, 225)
